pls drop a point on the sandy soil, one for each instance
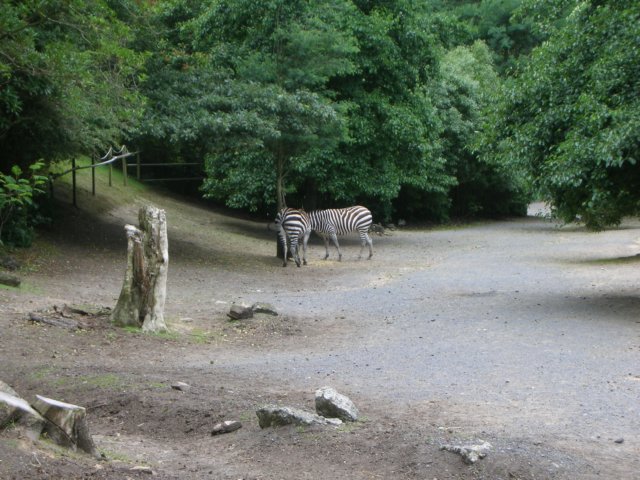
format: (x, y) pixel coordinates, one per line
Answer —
(519, 333)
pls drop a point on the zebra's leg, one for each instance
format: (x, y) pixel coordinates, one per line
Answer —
(326, 247)
(334, 238)
(294, 251)
(305, 239)
(283, 239)
(365, 239)
(370, 243)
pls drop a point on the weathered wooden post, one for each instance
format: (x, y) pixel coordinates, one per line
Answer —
(143, 294)
(73, 181)
(124, 170)
(93, 178)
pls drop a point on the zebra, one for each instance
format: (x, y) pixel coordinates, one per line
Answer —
(293, 224)
(339, 221)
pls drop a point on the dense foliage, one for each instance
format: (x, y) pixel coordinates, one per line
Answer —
(67, 79)
(422, 110)
(570, 119)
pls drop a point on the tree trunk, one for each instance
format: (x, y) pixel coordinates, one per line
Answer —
(67, 424)
(143, 294)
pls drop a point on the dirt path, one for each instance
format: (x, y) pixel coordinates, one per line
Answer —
(519, 333)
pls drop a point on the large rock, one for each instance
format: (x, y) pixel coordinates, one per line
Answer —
(275, 416)
(332, 404)
(67, 424)
(17, 412)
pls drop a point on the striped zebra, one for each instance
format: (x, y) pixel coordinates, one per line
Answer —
(339, 221)
(293, 225)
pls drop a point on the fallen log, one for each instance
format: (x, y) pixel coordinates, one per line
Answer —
(56, 322)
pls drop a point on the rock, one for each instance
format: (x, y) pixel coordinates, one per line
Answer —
(17, 411)
(469, 453)
(275, 416)
(240, 312)
(227, 426)
(619, 440)
(67, 424)
(183, 387)
(332, 404)
(264, 308)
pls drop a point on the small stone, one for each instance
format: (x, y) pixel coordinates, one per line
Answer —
(267, 308)
(183, 387)
(240, 312)
(227, 426)
(619, 440)
(469, 453)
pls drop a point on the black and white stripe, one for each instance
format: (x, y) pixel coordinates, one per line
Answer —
(339, 221)
(293, 225)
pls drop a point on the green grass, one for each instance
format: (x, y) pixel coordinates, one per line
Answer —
(107, 380)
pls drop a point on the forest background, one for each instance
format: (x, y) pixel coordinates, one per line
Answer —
(423, 110)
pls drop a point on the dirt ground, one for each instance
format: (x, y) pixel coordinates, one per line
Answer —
(519, 333)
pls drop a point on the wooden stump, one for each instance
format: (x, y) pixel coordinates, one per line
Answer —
(143, 294)
(67, 424)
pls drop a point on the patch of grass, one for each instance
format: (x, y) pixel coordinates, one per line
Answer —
(116, 456)
(108, 380)
(349, 427)
(131, 329)
(41, 373)
(167, 335)
(247, 416)
(158, 385)
(200, 336)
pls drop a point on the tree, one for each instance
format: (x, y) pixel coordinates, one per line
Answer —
(67, 79)
(570, 119)
(244, 87)
(18, 209)
(465, 91)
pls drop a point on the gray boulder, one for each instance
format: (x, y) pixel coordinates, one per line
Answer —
(275, 416)
(332, 404)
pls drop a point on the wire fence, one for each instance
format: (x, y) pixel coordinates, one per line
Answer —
(109, 159)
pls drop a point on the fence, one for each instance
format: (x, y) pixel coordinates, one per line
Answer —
(109, 159)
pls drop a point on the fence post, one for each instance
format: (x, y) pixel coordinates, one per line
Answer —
(110, 173)
(73, 177)
(138, 166)
(93, 179)
(124, 170)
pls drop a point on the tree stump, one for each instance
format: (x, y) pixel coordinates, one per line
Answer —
(143, 294)
(67, 424)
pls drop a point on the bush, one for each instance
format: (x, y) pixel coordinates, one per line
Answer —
(18, 210)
